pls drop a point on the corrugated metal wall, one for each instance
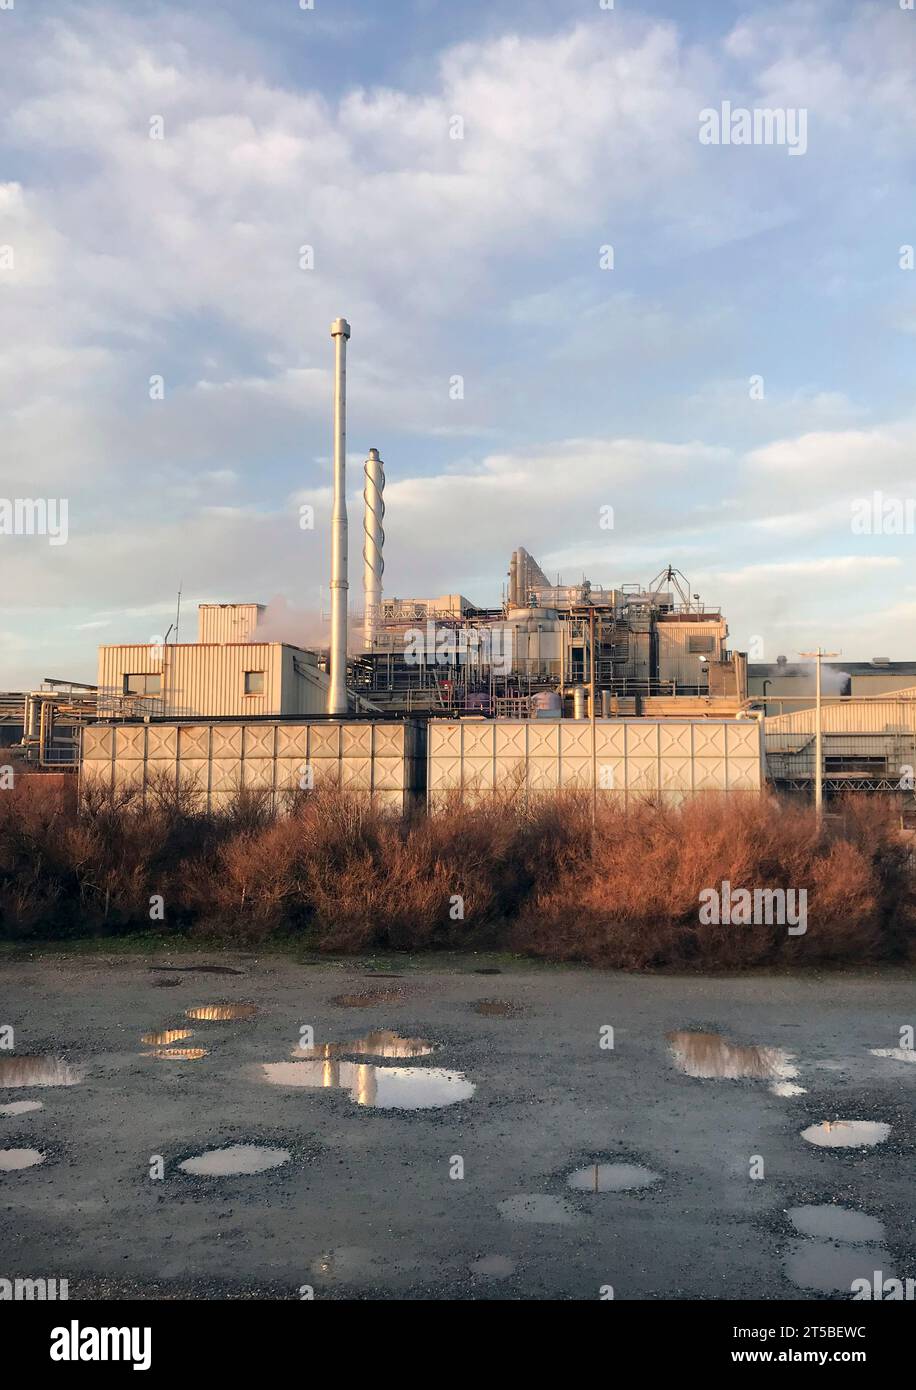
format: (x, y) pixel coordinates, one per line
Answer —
(631, 757)
(227, 622)
(204, 680)
(876, 728)
(385, 759)
(675, 661)
(891, 715)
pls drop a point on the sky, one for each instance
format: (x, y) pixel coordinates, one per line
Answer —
(189, 194)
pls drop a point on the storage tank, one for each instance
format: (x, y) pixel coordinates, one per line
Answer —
(546, 704)
(537, 641)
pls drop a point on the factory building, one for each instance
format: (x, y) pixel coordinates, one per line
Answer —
(632, 650)
(786, 685)
(626, 692)
(227, 672)
(868, 745)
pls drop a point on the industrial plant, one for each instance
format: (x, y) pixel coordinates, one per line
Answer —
(627, 691)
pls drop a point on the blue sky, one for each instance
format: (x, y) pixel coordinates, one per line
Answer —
(476, 257)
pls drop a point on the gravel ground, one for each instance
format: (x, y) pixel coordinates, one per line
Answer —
(366, 1205)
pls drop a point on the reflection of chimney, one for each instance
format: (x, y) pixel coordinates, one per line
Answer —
(364, 1088)
(373, 562)
(337, 691)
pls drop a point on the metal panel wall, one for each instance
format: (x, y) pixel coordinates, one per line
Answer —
(629, 758)
(675, 660)
(891, 715)
(227, 622)
(201, 680)
(218, 759)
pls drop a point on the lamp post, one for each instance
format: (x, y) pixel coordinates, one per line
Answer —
(818, 734)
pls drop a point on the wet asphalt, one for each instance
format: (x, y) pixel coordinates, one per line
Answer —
(469, 1200)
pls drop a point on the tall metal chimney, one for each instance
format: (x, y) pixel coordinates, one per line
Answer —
(373, 561)
(337, 692)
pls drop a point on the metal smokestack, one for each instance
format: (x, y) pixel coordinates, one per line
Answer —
(337, 692)
(373, 562)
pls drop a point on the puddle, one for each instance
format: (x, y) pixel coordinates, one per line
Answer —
(814, 1264)
(846, 1134)
(538, 1209)
(165, 984)
(710, 1057)
(177, 1054)
(237, 1159)
(166, 1037)
(21, 1107)
(38, 1071)
(497, 1008)
(197, 969)
(612, 1177)
(836, 1223)
(897, 1054)
(493, 1267)
(221, 1013)
(383, 1088)
(381, 1044)
(366, 998)
(12, 1160)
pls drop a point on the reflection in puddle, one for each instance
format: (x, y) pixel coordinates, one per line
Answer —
(177, 1054)
(381, 1044)
(366, 998)
(846, 1134)
(236, 1159)
(836, 1223)
(38, 1071)
(21, 1107)
(897, 1054)
(815, 1264)
(384, 1088)
(710, 1057)
(166, 1037)
(221, 1013)
(612, 1177)
(538, 1209)
(497, 1008)
(493, 1267)
(11, 1160)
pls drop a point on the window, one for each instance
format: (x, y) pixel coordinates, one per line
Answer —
(254, 682)
(701, 642)
(142, 683)
(866, 765)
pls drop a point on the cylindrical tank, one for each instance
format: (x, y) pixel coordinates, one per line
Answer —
(580, 709)
(546, 704)
(605, 704)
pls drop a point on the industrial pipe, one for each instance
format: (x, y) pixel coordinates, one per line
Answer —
(373, 560)
(337, 690)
